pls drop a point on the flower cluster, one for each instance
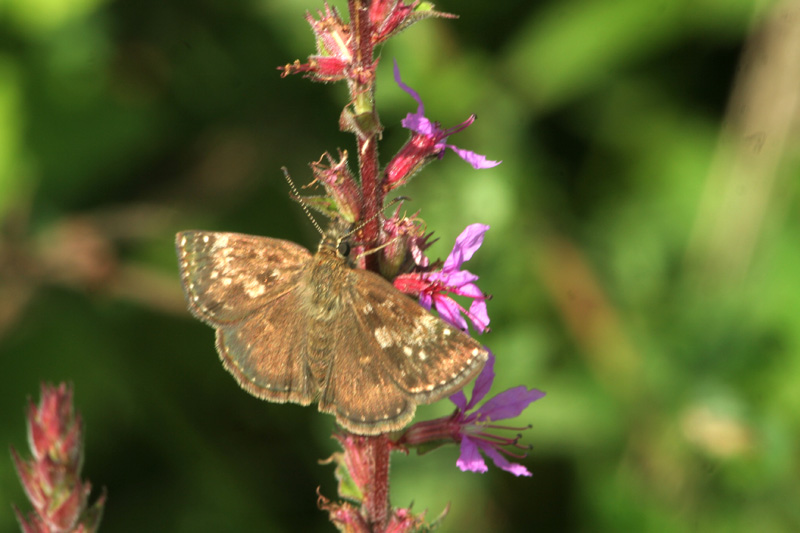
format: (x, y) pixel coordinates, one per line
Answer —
(434, 287)
(470, 429)
(51, 478)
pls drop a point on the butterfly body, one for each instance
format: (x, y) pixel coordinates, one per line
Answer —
(296, 327)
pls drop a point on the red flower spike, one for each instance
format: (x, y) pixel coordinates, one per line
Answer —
(33, 489)
(51, 479)
(64, 514)
(32, 523)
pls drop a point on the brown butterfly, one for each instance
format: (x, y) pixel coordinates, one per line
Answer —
(296, 327)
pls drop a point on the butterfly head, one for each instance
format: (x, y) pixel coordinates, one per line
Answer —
(337, 238)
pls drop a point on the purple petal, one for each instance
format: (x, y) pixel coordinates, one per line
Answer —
(409, 90)
(482, 383)
(501, 462)
(477, 161)
(452, 279)
(418, 123)
(450, 312)
(425, 300)
(467, 288)
(466, 245)
(460, 399)
(470, 459)
(509, 403)
(479, 315)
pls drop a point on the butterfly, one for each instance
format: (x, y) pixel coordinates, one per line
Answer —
(296, 327)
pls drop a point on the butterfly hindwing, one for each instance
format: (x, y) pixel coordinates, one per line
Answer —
(359, 392)
(226, 276)
(424, 355)
(256, 353)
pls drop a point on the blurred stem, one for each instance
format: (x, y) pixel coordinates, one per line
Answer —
(742, 190)
(590, 316)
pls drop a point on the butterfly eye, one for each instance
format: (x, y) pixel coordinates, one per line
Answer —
(343, 248)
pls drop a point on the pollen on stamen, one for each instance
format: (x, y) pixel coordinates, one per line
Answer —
(475, 351)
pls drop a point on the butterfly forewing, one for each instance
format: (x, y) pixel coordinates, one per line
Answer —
(226, 276)
(424, 355)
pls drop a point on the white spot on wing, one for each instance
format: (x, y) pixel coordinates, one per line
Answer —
(383, 337)
(254, 289)
(221, 242)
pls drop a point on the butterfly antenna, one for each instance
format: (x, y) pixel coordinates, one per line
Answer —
(377, 249)
(300, 200)
(376, 215)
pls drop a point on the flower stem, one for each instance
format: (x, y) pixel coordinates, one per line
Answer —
(376, 499)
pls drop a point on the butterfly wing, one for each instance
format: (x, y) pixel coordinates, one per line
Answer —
(227, 276)
(258, 355)
(399, 355)
(246, 287)
(358, 390)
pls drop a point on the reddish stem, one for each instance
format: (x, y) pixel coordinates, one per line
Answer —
(376, 505)
(361, 28)
(376, 498)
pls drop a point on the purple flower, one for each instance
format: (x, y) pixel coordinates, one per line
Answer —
(419, 123)
(473, 430)
(452, 280)
(474, 426)
(427, 142)
(434, 288)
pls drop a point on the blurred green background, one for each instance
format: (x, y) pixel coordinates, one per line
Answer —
(643, 254)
